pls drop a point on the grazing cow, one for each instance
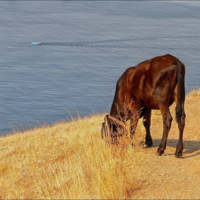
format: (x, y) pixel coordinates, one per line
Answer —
(152, 84)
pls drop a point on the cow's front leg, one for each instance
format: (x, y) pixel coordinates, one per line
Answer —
(147, 124)
(133, 124)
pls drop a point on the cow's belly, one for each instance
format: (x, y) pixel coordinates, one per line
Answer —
(151, 105)
(150, 102)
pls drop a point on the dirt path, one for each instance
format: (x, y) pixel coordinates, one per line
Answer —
(167, 177)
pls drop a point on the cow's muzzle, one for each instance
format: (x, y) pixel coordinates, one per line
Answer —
(112, 128)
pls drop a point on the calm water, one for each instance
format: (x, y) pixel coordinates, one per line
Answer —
(85, 47)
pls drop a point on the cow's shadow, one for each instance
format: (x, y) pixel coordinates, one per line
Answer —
(190, 147)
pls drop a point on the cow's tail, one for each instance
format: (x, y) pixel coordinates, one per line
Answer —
(180, 90)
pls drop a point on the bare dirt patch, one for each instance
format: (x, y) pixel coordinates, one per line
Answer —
(168, 177)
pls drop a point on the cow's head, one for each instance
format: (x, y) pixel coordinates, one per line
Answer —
(112, 127)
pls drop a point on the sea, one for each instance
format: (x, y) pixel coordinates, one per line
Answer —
(83, 48)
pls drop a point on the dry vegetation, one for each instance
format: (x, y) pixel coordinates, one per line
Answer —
(193, 93)
(67, 160)
(70, 161)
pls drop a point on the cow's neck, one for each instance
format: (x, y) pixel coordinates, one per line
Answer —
(114, 112)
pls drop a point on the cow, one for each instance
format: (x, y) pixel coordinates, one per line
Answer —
(152, 84)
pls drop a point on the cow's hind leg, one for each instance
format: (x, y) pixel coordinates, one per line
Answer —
(167, 119)
(181, 125)
(147, 124)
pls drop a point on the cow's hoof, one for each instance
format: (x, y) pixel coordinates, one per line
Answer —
(160, 152)
(178, 154)
(149, 144)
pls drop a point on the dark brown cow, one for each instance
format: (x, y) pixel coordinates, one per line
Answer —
(152, 84)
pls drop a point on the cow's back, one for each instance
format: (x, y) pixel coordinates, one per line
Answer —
(152, 78)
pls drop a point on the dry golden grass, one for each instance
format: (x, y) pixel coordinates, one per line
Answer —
(194, 92)
(67, 161)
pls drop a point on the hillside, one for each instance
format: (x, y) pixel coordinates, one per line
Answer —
(70, 160)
